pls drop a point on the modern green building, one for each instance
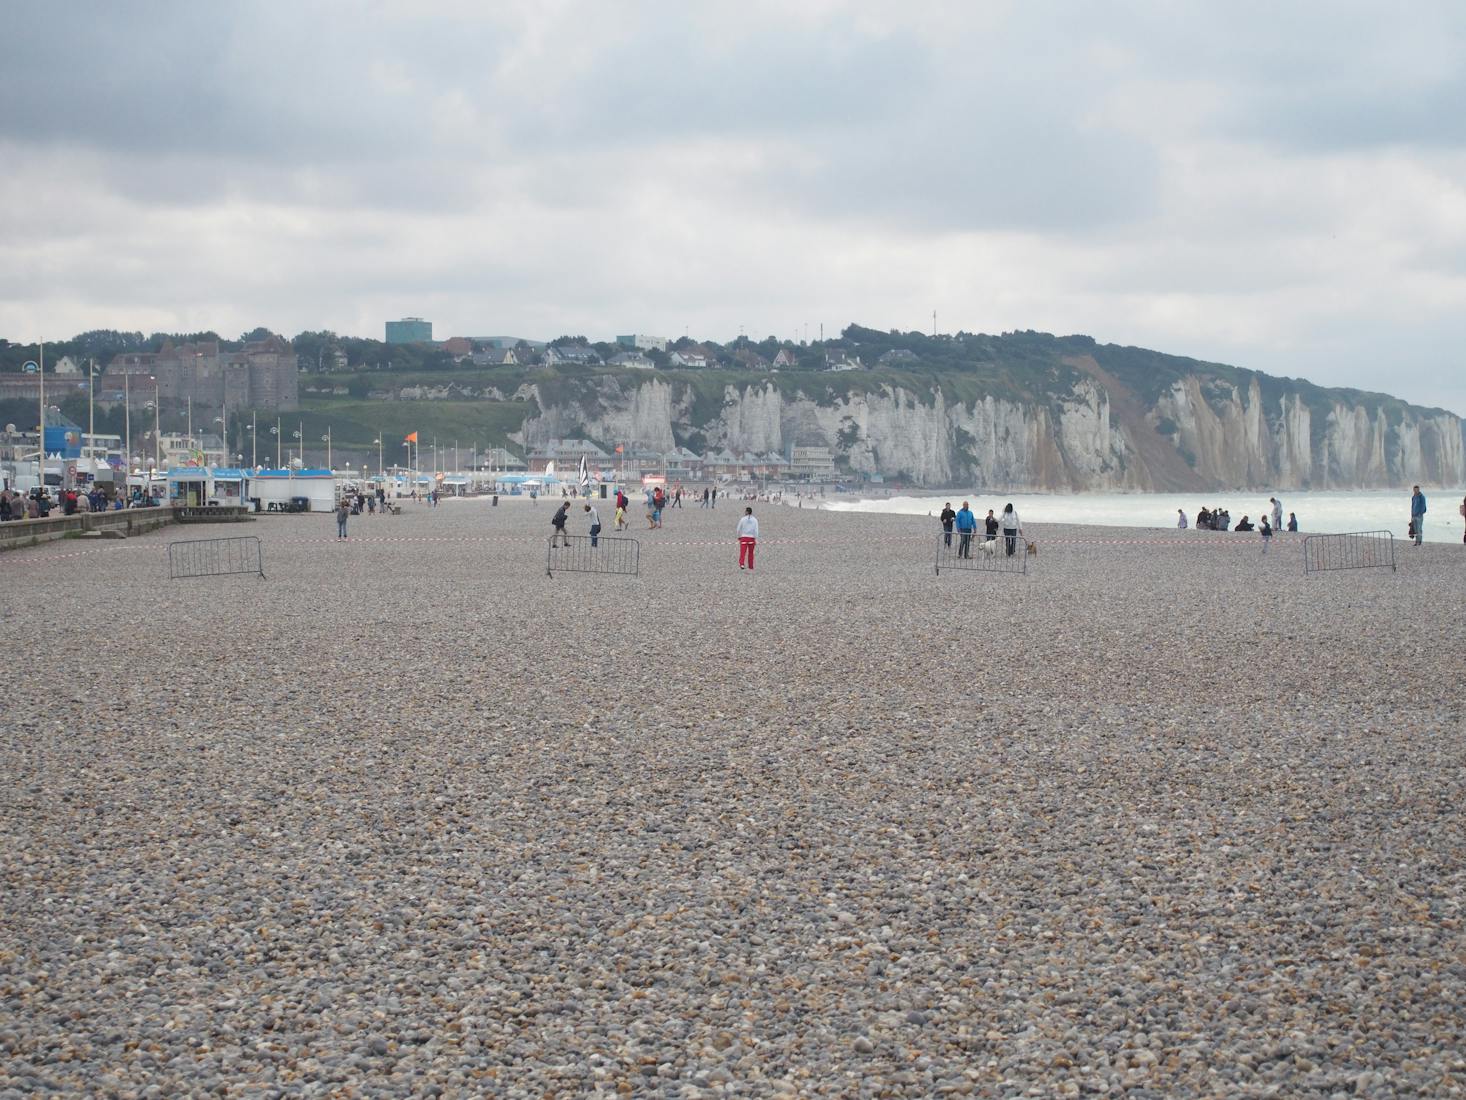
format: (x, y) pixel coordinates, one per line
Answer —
(410, 330)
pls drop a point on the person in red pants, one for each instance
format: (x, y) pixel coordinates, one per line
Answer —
(747, 538)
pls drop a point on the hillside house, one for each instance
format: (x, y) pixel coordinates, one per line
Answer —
(634, 359)
(495, 357)
(570, 354)
(696, 359)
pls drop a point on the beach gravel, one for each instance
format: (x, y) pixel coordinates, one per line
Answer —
(1162, 818)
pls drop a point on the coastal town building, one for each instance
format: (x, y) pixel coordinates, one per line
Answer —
(500, 458)
(460, 347)
(263, 374)
(566, 455)
(689, 357)
(199, 449)
(410, 330)
(634, 359)
(574, 354)
(642, 342)
(810, 462)
(495, 357)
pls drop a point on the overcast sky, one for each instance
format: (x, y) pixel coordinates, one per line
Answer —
(1279, 186)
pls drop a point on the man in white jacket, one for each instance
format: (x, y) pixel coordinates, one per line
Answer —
(747, 538)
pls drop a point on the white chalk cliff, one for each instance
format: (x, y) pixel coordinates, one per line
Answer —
(1202, 432)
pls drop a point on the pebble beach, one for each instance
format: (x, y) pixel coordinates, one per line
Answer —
(1164, 817)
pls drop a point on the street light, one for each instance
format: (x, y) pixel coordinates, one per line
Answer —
(326, 439)
(300, 455)
(275, 431)
(378, 442)
(157, 432)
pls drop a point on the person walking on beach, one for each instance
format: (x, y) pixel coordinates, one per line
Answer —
(595, 525)
(1417, 514)
(947, 517)
(557, 521)
(713, 503)
(1011, 529)
(1180, 520)
(747, 538)
(343, 510)
(1277, 513)
(1266, 530)
(966, 524)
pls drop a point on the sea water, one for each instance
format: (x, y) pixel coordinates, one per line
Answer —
(1317, 512)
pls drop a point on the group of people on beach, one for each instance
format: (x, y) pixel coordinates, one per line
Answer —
(963, 523)
(1219, 519)
(747, 530)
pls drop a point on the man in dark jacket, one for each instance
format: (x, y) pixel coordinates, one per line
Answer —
(557, 521)
(947, 517)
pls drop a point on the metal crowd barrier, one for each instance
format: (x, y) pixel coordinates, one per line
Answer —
(607, 555)
(215, 557)
(1355, 550)
(979, 554)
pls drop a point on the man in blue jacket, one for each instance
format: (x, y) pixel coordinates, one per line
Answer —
(1417, 513)
(966, 524)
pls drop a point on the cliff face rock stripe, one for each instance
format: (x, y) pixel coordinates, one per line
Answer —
(1201, 433)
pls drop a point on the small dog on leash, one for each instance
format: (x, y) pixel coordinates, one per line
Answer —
(1032, 549)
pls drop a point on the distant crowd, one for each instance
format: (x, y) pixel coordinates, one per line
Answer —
(39, 503)
(1219, 519)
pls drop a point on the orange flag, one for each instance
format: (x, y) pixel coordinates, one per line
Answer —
(411, 439)
(618, 448)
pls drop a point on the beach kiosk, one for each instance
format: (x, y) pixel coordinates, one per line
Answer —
(292, 490)
(200, 486)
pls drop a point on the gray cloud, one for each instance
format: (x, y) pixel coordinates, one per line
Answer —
(1276, 187)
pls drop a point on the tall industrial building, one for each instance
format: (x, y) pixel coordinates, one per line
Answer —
(410, 330)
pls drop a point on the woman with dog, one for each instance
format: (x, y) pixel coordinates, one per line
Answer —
(1011, 529)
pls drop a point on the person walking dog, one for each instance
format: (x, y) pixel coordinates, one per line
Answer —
(1011, 529)
(747, 538)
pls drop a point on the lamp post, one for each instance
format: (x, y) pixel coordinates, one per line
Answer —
(127, 417)
(378, 442)
(41, 431)
(327, 440)
(157, 432)
(92, 413)
(275, 431)
(253, 426)
(299, 445)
